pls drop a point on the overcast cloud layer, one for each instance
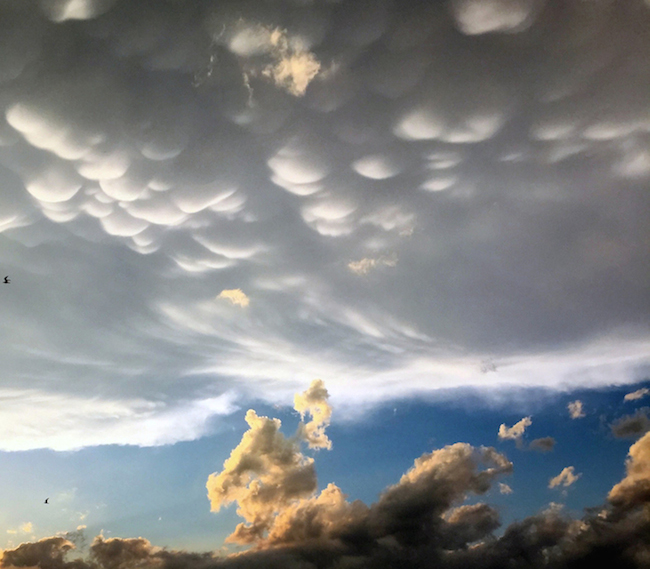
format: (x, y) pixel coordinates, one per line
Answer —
(203, 202)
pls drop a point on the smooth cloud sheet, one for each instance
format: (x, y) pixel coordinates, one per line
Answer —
(399, 200)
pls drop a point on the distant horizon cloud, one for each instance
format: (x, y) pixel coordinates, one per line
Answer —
(422, 516)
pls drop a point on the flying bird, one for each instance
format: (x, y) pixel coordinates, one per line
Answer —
(7, 281)
(46, 501)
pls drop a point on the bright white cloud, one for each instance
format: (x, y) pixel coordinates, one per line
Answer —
(475, 17)
(66, 422)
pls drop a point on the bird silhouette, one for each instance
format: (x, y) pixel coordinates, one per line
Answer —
(46, 501)
(7, 281)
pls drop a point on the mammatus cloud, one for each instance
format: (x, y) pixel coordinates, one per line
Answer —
(566, 478)
(544, 444)
(575, 409)
(638, 394)
(632, 425)
(236, 296)
(269, 144)
(475, 17)
(516, 432)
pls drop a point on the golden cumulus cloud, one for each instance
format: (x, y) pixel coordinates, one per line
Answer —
(576, 410)
(267, 472)
(294, 66)
(236, 296)
(634, 489)
(638, 394)
(314, 402)
(566, 478)
(516, 431)
(367, 264)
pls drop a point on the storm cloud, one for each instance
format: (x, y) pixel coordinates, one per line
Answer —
(400, 190)
(420, 521)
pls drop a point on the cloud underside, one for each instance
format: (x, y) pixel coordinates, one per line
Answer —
(396, 199)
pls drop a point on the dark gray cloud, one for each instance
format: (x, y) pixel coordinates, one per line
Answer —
(632, 426)
(400, 189)
(543, 444)
(328, 531)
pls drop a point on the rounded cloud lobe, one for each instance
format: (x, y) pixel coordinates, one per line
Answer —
(399, 200)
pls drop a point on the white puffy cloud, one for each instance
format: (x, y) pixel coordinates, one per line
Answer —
(516, 432)
(566, 478)
(576, 410)
(314, 402)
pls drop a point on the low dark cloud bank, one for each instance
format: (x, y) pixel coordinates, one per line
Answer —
(421, 521)
(414, 524)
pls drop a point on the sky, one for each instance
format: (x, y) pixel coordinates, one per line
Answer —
(324, 283)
